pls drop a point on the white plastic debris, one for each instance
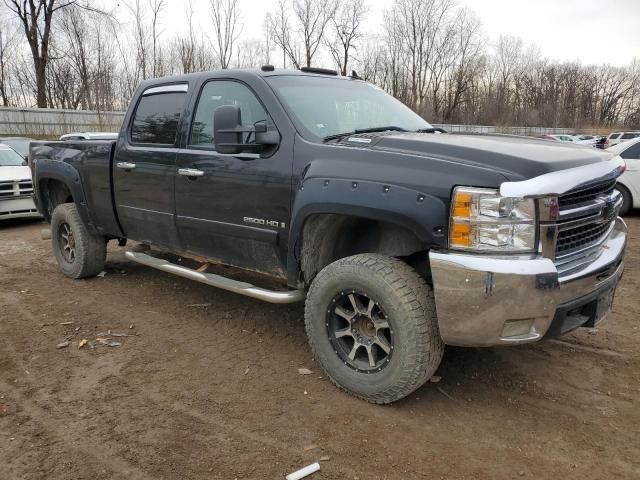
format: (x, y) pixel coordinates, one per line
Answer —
(304, 472)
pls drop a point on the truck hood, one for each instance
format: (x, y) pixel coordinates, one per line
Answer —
(8, 174)
(517, 158)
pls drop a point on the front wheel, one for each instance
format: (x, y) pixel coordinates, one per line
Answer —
(372, 326)
(79, 253)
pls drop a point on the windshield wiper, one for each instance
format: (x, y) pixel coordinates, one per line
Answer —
(365, 130)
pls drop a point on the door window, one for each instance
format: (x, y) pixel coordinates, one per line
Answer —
(156, 118)
(218, 93)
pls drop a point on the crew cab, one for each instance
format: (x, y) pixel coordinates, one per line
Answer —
(400, 238)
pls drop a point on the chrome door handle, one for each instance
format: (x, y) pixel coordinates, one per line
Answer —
(190, 172)
(126, 165)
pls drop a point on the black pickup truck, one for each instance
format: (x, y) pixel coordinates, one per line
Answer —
(402, 238)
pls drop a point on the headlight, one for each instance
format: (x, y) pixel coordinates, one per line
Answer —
(482, 220)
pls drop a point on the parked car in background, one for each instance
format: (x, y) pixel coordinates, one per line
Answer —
(561, 138)
(591, 140)
(89, 136)
(615, 138)
(629, 183)
(16, 186)
(601, 142)
(583, 138)
(19, 144)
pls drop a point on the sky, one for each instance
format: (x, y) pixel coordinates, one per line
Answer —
(589, 31)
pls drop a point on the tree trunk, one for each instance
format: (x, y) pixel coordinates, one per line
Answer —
(41, 82)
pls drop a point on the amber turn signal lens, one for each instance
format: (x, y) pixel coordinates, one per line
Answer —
(460, 235)
(462, 205)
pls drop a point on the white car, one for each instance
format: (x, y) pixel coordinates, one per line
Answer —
(629, 182)
(586, 139)
(16, 186)
(561, 138)
(90, 136)
(616, 138)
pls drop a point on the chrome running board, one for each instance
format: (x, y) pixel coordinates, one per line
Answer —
(243, 288)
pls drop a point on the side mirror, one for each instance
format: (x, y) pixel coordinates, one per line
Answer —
(264, 136)
(227, 137)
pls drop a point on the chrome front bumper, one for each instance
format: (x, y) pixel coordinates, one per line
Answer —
(504, 300)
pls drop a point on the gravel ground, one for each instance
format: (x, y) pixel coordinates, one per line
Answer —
(207, 387)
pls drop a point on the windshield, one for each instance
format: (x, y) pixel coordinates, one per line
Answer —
(20, 145)
(9, 158)
(327, 106)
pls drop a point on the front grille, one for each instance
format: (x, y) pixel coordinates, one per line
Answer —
(17, 188)
(585, 196)
(6, 189)
(587, 217)
(580, 237)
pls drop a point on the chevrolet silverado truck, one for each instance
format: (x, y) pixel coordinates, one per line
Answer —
(401, 238)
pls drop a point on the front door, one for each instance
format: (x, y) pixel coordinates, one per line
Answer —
(233, 208)
(144, 169)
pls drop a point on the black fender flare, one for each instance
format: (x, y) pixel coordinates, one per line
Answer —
(47, 169)
(423, 214)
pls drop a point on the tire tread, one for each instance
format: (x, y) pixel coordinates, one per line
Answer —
(417, 299)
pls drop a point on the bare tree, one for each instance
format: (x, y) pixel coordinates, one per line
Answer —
(140, 34)
(7, 44)
(74, 28)
(432, 55)
(36, 18)
(156, 6)
(346, 30)
(227, 28)
(279, 27)
(313, 17)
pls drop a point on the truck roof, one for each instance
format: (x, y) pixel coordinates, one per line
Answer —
(260, 72)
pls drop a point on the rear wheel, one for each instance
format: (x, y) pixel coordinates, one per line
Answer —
(79, 253)
(372, 326)
(627, 201)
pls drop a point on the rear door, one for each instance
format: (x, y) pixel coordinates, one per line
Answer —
(144, 167)
(237, 208)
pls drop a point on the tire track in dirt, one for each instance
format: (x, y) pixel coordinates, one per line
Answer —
(175, 402)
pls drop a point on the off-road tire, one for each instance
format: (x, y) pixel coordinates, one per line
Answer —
(627, 201)
(90, 250)
(410, 310)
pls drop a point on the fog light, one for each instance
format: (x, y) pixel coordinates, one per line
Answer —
(517, 328)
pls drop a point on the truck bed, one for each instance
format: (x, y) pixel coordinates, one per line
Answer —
(87, 165)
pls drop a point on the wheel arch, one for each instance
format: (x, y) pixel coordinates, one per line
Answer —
(633, 192)
(58, 183)
(369, 217)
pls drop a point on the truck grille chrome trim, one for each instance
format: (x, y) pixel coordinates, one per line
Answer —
(585, 219)
(10, 190)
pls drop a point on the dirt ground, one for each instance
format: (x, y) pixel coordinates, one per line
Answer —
(207, 387)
